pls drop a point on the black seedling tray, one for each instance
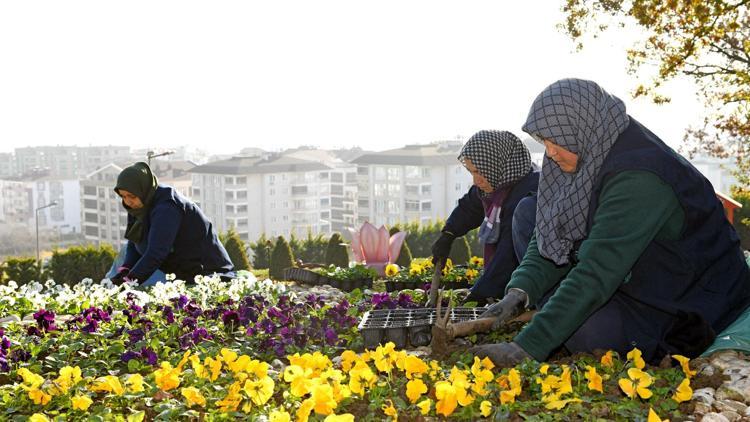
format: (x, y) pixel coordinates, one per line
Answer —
(406, 327)
(312, 278)
(395, 286)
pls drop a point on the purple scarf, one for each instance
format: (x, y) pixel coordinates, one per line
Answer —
(490, 202)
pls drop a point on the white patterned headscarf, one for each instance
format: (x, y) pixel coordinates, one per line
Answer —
(498, 155)
(581, 117)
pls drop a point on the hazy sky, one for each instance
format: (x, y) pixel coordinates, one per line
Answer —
(273, 74)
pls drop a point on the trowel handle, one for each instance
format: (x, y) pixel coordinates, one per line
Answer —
(467, 328)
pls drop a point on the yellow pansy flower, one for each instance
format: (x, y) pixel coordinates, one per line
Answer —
(135, 383)
(232, 400)
(239, 364)
(476, 261)
(637, 384)
(259, 391)
(543, 369)
(391, 270)
(80, 402)
(414, 389)
(414, 365)
(481, 372)
(228, 355)
(446, 396)
(299, 379)
(303, 413)
(69, 376)
(415, 269)
(635, 356)
(322, 396)
(607, 359)
(653, 417)
(559, 404)
(424, 406)
(595, 380)
(193, 396)
(485, 408)
(471, 273)
(348, 358)
(39, 396)
(109, 384)
(684, 392)
(29, 378)
(38, 417)
(361, 378)
(214, 365)
(167, 378)
(346, 417)
(389, 410)
(279, 416)
(685, 364)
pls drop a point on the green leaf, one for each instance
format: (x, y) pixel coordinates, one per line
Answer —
(137, 417)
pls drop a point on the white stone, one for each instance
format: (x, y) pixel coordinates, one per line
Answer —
(704, 395)
(738, 390)
(724, 359)
(714, 417)
(702, 408)
(9, 319)
(731, 415)
(730, 405)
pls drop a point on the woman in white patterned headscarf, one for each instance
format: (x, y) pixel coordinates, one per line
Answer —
(631, 244)
(501, 203)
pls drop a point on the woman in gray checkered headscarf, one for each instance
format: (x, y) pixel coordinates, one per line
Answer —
(581, 117)
(498, 155)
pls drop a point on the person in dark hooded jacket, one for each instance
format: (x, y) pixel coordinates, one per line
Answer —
(631, 247)
(501, 202)
(165, 231)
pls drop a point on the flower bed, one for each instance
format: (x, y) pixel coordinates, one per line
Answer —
(249, 349)
(420, 272)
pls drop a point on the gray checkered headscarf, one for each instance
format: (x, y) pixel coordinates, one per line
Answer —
(498, 155)
(581, 117)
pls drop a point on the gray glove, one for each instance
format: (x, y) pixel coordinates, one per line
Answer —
(509, 307)
(503, 355)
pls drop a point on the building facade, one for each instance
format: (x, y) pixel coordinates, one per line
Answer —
(103, 219)
(414, 183)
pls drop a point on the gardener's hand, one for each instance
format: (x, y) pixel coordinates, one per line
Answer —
(441, 249)
(121, 276)
(503, 355)
(511, 305)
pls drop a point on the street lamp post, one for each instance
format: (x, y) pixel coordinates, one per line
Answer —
(36, 216)
(151, 154)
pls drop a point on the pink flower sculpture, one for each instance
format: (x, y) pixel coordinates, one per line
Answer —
(375, 247)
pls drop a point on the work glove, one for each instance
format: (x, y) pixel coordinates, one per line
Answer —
(121, 276)
(509, 307)
(503, 355)
(441, 249)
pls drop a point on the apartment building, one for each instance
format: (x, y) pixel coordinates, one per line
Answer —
(275, 194)
(7, 165)
(67, 162)
(413, 183)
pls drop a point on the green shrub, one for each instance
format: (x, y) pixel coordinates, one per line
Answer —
(742, 215)
(74, 264)
(404, 256)
(236, 249)
(460, 252)
(261, 252)
(21, 270)
(337, 252)
(281, 258)
(310, 249)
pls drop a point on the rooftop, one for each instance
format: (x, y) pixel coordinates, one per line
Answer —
(259, 165)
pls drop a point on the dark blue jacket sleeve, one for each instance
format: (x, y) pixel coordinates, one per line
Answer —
(165, 222)
(468, 214)
(131, 255)
(497, 274)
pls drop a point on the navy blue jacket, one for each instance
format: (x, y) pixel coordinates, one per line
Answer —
(469, 214)
(179, 240)
(702, 274)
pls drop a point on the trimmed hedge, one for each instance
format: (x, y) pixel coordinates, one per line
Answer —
(74, 264)
(337, 252)
(281, 258)
(262, 252)
(236, 249)
(22, 270)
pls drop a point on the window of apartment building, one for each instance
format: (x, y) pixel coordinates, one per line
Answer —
(363, 203)
(394, 189)
(337, 189)
(283, 176)
(411, 205)
(102, 193)
(380, 206)
(298, 204)
(285, 218)
(324, 202)
(102, 207)
(271, 179)
(273, 205)
(337, 202)
(102, 219)
(425, 172)
(411, 172)
(337, 214)
(323, 175)
(89, 190)
(459, 169)
(229, 209)
(393, 207)
(90, 217)
(337, 177)
(286, 204)
(412, 189)
(427, 206)
(325, 215)
(196, 191)
(299, 190)
(426, 189)
(242, 222)
(228, 180)
(89, 204)
(91, 231)
(363, 171)
(240, 208)
(240, 180)
(351, 177)
(380, 189)
(272, 191)
(229, 194)
(241, 194)
(273, 219)
(394, 173)
(229, 223)
(380, 173)
(458, 186)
